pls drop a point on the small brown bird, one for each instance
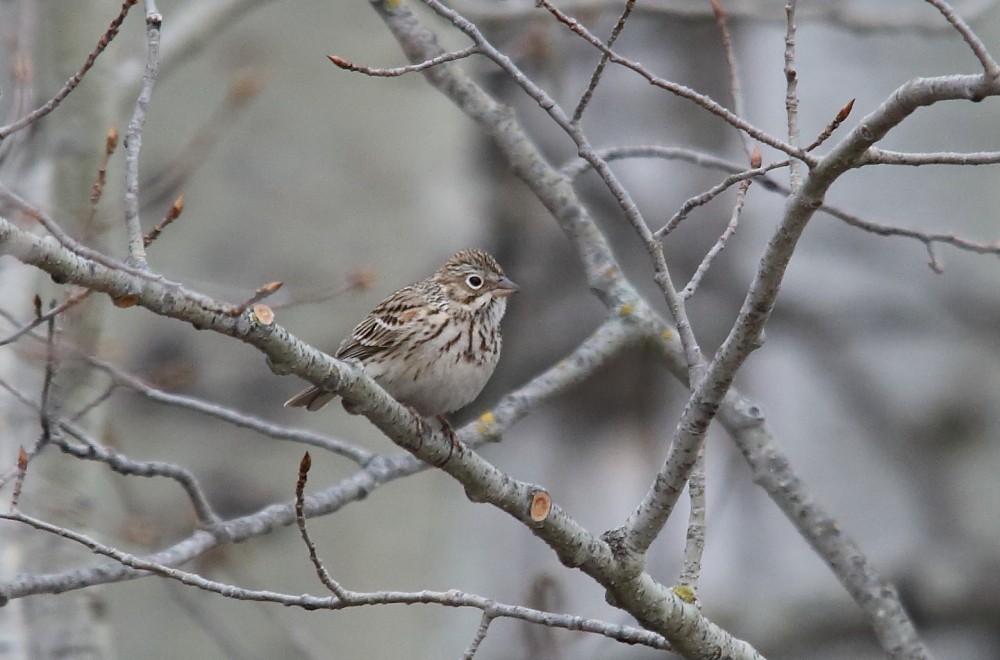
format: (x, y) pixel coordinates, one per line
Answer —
(433, 344)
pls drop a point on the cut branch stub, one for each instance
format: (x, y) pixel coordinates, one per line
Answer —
(541, 505)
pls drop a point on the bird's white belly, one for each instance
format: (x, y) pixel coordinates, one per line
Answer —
(436, 383)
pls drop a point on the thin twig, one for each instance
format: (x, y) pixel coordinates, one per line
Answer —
(242, 420)
(876, 156)
(71, 84)
(110, 144)
(172, 214)
(410, 68)
(734, 220)
(735, 84)
(595, 77)
(122, 464)
(94, 403)
(713, 192)
(133, 138)
(928, 239)
(791, 94)
(300, 519)
(73, 299)
(832, 126)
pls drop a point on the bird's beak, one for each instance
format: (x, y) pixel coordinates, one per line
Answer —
(505, 287)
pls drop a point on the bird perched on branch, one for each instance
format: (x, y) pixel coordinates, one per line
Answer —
(433, 344)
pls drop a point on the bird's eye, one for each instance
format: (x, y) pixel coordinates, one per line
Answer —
(474, 281)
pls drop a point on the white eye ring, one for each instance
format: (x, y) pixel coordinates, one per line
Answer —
(474, 281)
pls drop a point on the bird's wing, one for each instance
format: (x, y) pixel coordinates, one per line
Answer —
(387, 326)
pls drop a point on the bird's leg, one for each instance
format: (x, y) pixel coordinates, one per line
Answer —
(450, 432)
(421, 423)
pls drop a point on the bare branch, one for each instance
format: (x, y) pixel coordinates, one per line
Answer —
(411, 68)
(578, 166)
(872, 156)
(713, 192)
(772, 471)
(928, 239)
(92, 450)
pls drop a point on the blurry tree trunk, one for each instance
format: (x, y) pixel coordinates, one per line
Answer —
(64, 152)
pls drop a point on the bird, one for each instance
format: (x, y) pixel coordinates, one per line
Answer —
(433, 344)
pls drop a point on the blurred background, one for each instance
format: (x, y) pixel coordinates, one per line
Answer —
(880, 378)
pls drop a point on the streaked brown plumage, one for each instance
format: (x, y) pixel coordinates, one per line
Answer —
(433, 344)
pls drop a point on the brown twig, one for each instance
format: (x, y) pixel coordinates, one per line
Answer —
(110, 144)
(173, 213)
(833, 125)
